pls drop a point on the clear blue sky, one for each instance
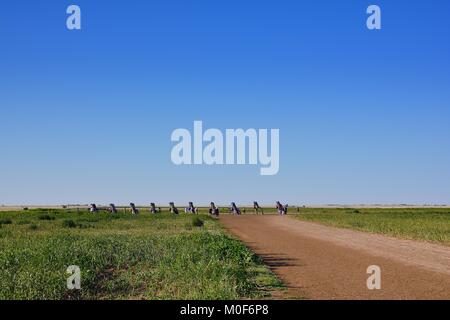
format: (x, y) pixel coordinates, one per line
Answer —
(86, 116)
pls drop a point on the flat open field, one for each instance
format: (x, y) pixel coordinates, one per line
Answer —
(429, 224)
(317, 262)
(125, 257)
(318, 253)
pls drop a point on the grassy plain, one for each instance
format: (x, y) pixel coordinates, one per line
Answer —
(124, 256)
(429, 224)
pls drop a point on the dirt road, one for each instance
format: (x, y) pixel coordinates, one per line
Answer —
(320, 262)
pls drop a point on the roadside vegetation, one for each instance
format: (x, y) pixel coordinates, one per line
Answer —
(429, 224)
(122, 256)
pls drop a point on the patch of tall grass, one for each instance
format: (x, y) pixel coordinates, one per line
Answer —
(125, 257)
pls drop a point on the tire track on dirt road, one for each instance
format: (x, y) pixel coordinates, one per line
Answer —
(321, 262)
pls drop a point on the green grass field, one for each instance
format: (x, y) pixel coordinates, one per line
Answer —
(427, 224)
(125, 257)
